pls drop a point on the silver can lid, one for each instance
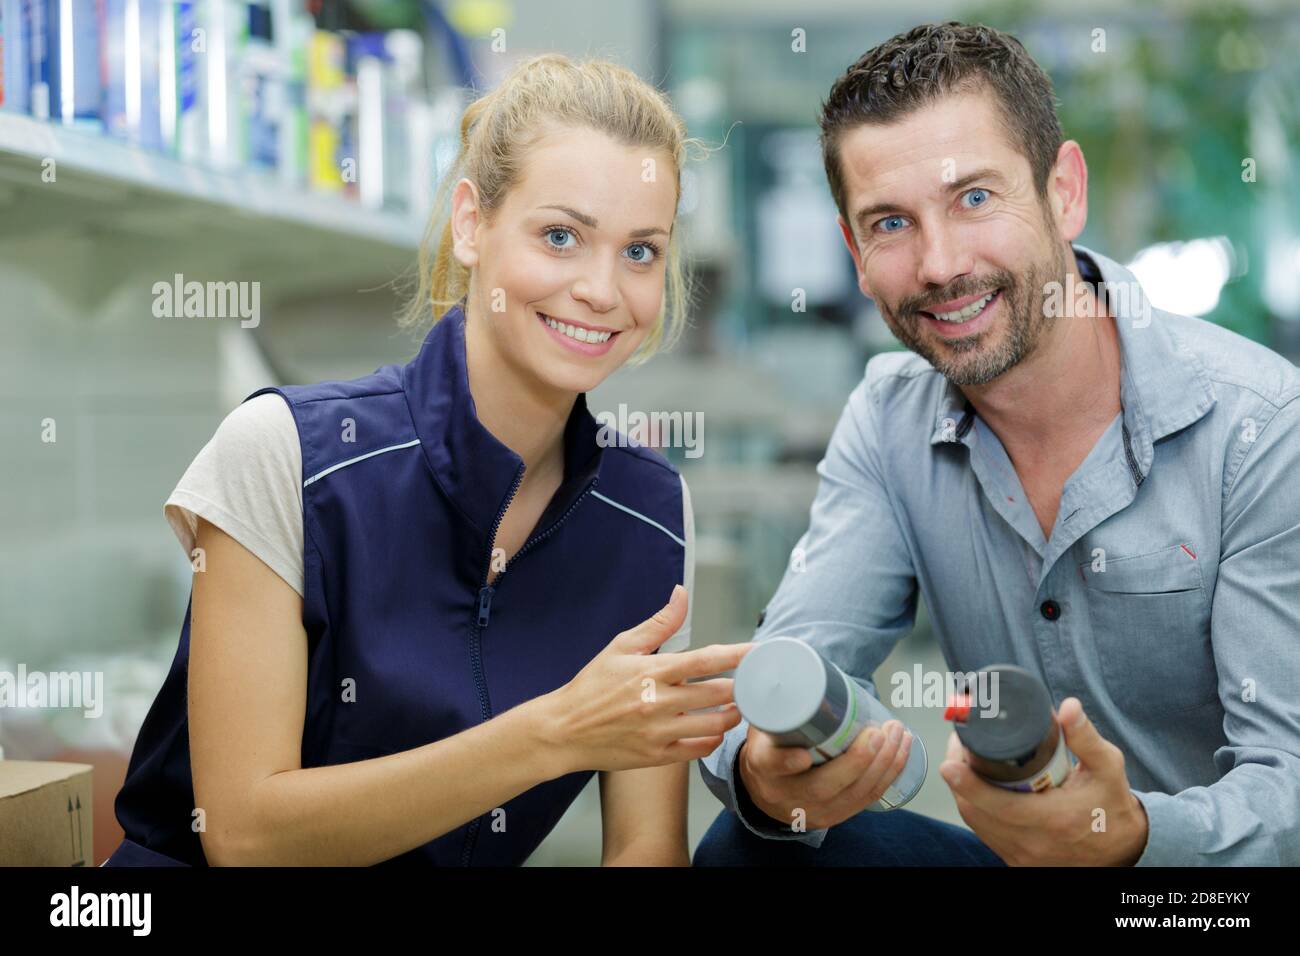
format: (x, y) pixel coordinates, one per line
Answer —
(780, 684)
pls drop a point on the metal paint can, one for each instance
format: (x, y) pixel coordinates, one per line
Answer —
(1014, 741)
(787, 689)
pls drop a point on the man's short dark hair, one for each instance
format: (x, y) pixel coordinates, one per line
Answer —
(916, 68)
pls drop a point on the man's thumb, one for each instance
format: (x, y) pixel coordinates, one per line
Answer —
(1081, 735)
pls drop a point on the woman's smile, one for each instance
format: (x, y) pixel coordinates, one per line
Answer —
(586, 339)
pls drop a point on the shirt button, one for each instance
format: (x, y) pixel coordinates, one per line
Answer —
(1050, 610)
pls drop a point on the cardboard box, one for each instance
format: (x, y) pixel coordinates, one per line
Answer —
(45, 813)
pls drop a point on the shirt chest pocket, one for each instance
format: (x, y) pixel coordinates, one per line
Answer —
(1150, 630)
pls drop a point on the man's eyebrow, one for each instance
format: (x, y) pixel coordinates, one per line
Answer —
(987, 175)
(590, 222)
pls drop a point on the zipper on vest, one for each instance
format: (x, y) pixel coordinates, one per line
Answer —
(475, 646)
(547, 533)
(484, 614)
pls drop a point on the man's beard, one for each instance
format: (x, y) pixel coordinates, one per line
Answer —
(980, 358)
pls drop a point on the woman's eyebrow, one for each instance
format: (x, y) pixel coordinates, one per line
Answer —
(590, 222)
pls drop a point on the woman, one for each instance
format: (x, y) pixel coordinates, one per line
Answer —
(426, 600)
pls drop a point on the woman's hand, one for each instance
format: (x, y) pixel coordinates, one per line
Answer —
(628, 707)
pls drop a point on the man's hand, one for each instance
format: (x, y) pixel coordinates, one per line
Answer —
(783, 783)
(1092, 819)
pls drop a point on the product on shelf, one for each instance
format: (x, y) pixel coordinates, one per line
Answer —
(387, 67)
(233, 85)
(184, 122)
(329, 108)
(227, 32)
(262, 86)
(35, 35)
(14, 69)
(133, 55)
(74, 52)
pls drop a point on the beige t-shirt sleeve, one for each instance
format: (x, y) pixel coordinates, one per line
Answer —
(682, 639)
(247, 480)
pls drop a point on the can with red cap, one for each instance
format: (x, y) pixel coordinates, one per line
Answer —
(1013, 737)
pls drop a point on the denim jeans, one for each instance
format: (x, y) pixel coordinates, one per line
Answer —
(893, 838)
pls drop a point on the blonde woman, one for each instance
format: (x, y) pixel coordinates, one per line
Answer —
(431, 598)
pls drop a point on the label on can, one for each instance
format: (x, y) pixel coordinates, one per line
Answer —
(865, 711)
(1052, 775)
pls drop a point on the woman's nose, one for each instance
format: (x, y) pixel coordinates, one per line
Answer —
(598, 286)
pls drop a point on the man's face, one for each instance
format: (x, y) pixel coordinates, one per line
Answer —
(945, 214)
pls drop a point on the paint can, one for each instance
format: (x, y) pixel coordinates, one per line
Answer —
(787, 689)
(1005, 720)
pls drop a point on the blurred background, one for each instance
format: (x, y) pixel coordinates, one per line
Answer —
(122, 163)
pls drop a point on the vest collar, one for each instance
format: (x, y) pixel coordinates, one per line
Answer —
(473, 468)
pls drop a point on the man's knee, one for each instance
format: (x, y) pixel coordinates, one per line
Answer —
(728, 842)
(897, 838)
(721, 842)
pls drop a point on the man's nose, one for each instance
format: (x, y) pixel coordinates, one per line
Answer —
(943, 256)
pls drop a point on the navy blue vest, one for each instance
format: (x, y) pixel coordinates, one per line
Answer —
(398, 527)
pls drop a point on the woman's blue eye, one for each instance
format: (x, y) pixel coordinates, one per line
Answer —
(885, 223)
(648, 255)
(978, 197)
(554, 232)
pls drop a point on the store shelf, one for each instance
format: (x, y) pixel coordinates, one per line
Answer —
(26, 143)
(141, 212)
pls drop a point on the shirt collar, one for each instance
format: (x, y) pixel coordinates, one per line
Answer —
(473, 468)
(1163, 385)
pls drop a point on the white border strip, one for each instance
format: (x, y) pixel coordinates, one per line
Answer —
(637, 514)
(353, 461)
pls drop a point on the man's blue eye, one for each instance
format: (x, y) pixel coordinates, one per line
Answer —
(977, 197)
(885, 224)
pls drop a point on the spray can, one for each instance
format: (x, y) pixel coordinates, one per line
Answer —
(1014, 741)
(787, 689)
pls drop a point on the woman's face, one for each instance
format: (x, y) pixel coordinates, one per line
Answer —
(575, 252)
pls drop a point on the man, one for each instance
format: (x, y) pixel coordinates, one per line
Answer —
(1096, 490)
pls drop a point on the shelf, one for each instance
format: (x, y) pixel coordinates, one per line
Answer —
(114, 211)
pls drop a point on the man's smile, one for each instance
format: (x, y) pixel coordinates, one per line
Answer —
(971, 314)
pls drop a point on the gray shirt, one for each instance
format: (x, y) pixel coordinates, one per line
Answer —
(1167, 597)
